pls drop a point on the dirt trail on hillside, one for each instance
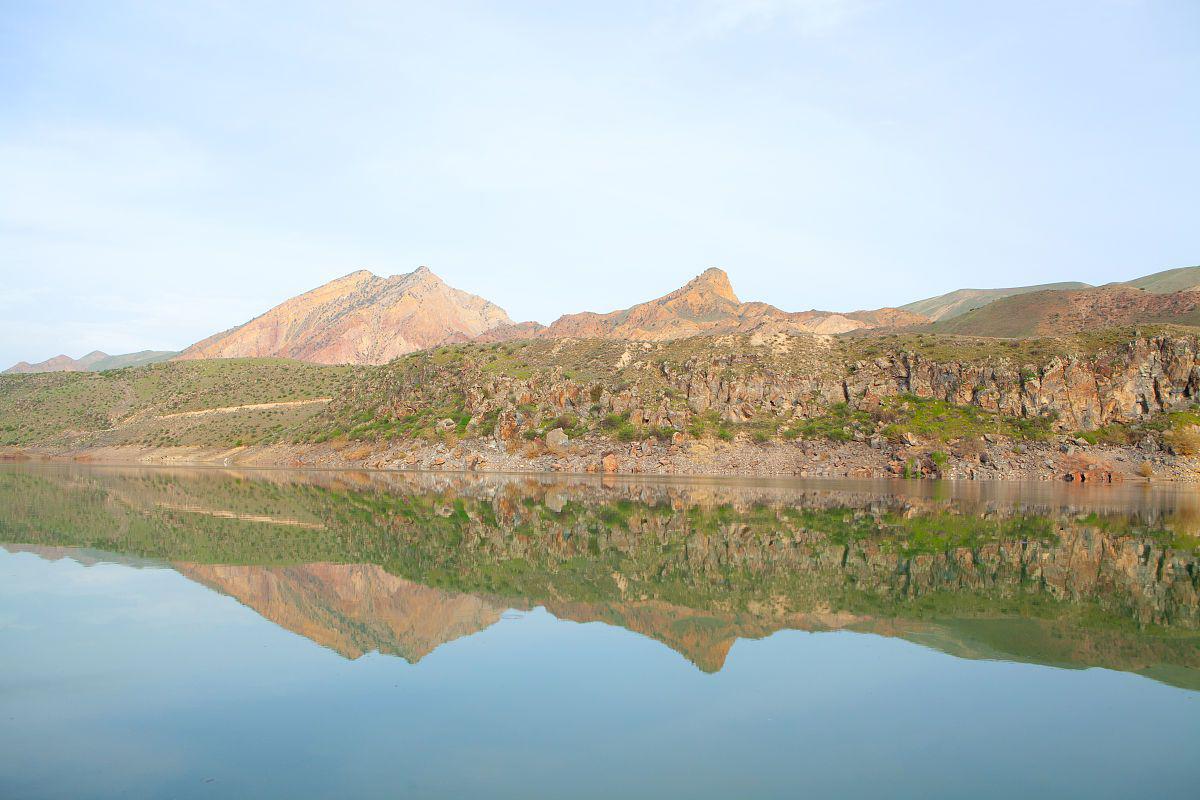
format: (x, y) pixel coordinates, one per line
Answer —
(249, 407)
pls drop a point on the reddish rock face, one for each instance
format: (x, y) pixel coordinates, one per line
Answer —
(359, 319)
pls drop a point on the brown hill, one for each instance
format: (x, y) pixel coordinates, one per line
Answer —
(708, 305)
(1053, 313)
(359, 319)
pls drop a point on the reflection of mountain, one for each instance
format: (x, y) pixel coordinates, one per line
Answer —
(702, 638)
(351, 608)
(402, 563)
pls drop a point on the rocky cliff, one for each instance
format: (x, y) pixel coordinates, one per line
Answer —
(782, 378)
(359, 319)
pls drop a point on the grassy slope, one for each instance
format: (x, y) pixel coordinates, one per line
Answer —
(123, 406)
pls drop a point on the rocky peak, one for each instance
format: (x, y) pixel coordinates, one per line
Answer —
(713, 281)
(421, 277)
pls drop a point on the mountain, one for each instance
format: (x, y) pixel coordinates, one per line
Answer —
(707, 305)
(359, 319)
(95, 361)
(960, 301)
(1054, 313)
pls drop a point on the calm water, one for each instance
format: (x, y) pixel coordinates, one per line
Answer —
(222, 634)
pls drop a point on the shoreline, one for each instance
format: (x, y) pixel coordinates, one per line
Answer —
(1001, 460)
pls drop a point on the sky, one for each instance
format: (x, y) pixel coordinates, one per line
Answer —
(168, 170)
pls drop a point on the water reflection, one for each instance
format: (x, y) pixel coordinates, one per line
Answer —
(403, 563)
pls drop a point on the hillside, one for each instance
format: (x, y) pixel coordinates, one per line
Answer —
(358, 319)
(1049, 313)
(215, 402)
(96, 361)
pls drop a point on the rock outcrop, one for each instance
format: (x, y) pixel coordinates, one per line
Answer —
(359, 319)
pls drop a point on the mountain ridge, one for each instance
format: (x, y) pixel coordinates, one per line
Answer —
(708, 305)
(362, 318)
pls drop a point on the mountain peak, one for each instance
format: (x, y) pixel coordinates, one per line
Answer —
(422, 276)
(713, 281)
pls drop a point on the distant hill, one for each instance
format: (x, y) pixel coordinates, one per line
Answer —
(359, 319)
(953, 304)
(1054, 313)
(1183, 279)
(960, 301)
(95, 361)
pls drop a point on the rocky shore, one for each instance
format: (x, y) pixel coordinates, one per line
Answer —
(1061, 459)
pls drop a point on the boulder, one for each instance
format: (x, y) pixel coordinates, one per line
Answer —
(556, 439)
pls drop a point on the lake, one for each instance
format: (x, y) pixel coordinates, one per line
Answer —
(214, 633)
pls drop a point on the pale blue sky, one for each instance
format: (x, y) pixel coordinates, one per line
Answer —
(170, 169)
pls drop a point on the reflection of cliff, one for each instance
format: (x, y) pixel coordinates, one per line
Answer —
(399, 563)
(354, 609)
(351, 608)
